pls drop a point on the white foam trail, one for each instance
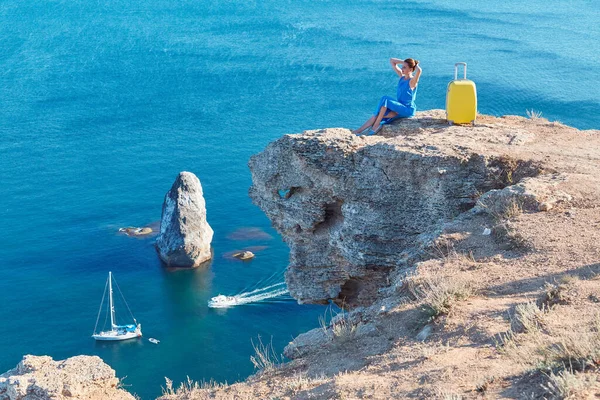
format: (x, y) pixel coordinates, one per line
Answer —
(254, 296)
(260, 290)
(269, 280)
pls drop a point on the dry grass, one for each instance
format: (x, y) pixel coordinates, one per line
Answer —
(444, 394)
(512, 209)
(337, 325)
(505, 232)
(501, 211)
(532, 114)
(528, 318)
(579, 347)
(438, 293)
(300, 382)
(569, 384)
(504, 212)
(168, 390)
(188, 387)
(265, 358)
(409, 289)
(557, 293)
(547, 342)
(443, 248)
(524, 348)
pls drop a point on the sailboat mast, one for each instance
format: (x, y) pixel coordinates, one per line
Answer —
(112, 308)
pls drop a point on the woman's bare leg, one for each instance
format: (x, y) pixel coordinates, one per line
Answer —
(366, 125)
(383, 113)
(377, 123)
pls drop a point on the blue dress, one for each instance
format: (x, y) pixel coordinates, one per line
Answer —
(404, 104)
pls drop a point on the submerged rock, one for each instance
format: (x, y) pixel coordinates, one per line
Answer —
(249, 233)
(244, 255)
(185, 235)
(133, 231)
(81, 377)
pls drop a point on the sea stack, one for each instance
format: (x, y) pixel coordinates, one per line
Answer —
(185, 236)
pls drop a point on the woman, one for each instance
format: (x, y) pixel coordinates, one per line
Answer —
(402, 107)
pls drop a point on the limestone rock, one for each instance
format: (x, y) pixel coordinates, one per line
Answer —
(363, 329)
(424, 333)
(352, 209)
(305, 343)
(185, 235)
(531, 194)
(348, 206)
(81, 377)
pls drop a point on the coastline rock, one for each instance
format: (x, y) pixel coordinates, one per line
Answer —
(80, 377)
(185, 235)
(353, 208)
(305, 343)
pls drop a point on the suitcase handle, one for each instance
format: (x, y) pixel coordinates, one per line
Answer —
(456, 70)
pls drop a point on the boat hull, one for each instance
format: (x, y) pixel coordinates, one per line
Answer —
(113, 336)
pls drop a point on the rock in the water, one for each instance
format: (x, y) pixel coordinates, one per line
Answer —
(81, 377)
(133, 231)
(185, 236)
(244, 255)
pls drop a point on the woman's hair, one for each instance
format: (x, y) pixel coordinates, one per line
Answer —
(411, 63)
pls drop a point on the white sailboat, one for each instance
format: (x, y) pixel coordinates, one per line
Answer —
(116, 332)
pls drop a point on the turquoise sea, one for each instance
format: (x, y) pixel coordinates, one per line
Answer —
(103, 102)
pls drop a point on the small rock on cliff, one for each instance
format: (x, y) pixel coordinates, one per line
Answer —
(81, 377)
(185, 235)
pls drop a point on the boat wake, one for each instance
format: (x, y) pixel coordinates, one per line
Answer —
(254, 296)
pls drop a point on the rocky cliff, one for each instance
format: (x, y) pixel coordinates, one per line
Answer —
(469, 258)
(352, 208)
(81, 377)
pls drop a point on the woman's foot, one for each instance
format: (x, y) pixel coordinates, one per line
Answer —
(375, 130)
(358, 132)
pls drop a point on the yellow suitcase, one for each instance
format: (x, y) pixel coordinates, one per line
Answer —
(461, 99)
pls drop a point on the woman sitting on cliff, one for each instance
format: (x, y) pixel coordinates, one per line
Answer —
(404, 106)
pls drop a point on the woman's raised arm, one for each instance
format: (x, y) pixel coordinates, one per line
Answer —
(395, 62)
(415, 79)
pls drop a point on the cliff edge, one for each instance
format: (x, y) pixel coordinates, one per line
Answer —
(467, 260)
(353, 208)
(81, 377)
